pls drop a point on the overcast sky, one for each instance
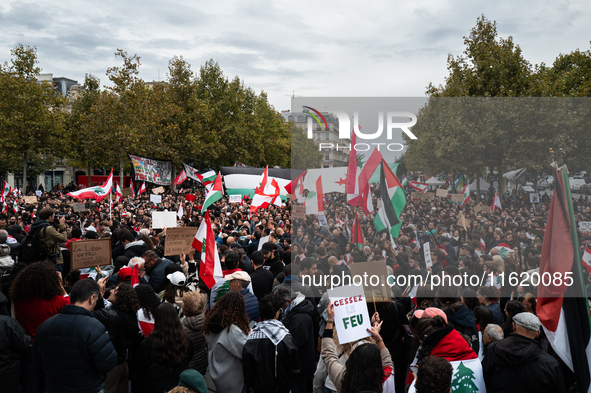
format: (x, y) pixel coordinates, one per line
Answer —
(310, 48)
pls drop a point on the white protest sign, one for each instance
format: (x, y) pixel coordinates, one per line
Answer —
(351, 317)
(427, 252)
(534, 197)
(263, 240)
(585, 226)
(156, 198)
(235, 198)
(38, 193)
(163, 220)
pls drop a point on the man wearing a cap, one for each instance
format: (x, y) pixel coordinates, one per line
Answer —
(272, 260)
(518, 364)
(239, 283)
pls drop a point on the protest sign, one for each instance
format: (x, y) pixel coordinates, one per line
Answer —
(38, 193)
(179, 240)
(152, 171)
(31, 199)
(163, 220)
(427, 252)
(158, 190)
(351, 317)
(127, 192)
(78, 207)
(457, 197)
(298, 212)
(416, 197)
(534, 197)
(463, 221)
(89, 253)
(585, 226)
(481, 208)
(155, 198)
(441, 192)
(262, 241)
(235, 199)
(428, 196)
(376, 286)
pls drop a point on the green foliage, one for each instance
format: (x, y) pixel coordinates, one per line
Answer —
(304, 152)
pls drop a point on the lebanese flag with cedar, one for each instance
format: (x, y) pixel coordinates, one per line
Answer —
(98, 193)
(496, 203)
(420, 187)
(466, 192)
(211, 269)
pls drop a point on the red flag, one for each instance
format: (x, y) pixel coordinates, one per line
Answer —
(357, 236)
(180, 178)
(135, 276)
(190, 198)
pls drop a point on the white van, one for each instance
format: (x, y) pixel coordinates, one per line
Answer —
(575, 184)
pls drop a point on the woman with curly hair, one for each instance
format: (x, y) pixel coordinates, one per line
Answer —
(164, 354)
(121, 324)
(226, 331)
(149, 302)
(37, 294)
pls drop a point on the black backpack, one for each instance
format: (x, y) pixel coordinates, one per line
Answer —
(32, 248)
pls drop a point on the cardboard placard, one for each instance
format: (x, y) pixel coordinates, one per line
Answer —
(351, 317)
(463, 221)
(235, 198)
(89, 253)
(428, 196)
(38, 193)
(427, 252)
(457, 197)
(378, 291)
(416, 197)
(78, 207)
(441, 192)
(298, 212)
(179, 240)
(163, 220)
(31, 199)
(127, 192)
(158, 190)
(156, 198)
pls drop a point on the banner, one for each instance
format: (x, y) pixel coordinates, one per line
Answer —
(152, 171)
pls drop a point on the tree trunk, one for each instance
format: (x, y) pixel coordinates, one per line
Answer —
(536, 180)
(88, 172)
(25, 163)
(501, 182)
(477, 187)
(121, 173)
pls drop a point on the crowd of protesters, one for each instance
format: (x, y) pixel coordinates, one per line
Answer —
(89, 330)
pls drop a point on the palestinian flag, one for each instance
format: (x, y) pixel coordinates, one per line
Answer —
(393, 201)
(98, 193)
(563, 309)
(180, 178)
(496, 203)
(142, 189)
(205, 176)
(586, 260)
(466, 192)
(420, 187)
(215, 194)
(210, 269)
(357, 237)
(405, 181)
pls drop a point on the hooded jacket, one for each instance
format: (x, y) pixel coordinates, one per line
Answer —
(225, 355)
(193, 327)
(251, 304)
(135, 249)
(158, 275)
(123, 330)
(446, 343)
(299, 322)
(518, 364)
(463, 321)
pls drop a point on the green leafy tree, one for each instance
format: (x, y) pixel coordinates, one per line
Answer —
(304, 152)
(31, 115)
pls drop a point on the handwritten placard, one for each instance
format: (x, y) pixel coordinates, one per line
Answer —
(155, 198)
(351, 317)
(427, 252)
(31, 199)
(158, 190)
(178, 240)
(428, 196)
(127, 192)
(457, 197)
(378, 290)
(298, 212)
(78, 207)
(441, 192)
(235, 198)
(89, 253)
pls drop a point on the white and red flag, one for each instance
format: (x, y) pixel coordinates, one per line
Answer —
(98, 193)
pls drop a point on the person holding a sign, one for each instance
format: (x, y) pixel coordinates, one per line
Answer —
(368, 366)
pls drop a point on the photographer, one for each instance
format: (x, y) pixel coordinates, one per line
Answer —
(51, 237)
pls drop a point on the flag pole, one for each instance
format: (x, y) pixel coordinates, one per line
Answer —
(110, 203)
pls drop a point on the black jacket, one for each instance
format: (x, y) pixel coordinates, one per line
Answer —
(258, 365)
(13, 342)
(123, 330)
(463, 321)
(275, 265)
(262, 282)
(136, 249)
(517, 364)
(299, 322)
(158, 275)
(75, 351)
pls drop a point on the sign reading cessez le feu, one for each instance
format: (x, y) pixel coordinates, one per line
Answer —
(351, 317)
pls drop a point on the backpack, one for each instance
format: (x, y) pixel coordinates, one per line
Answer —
(33, 250)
